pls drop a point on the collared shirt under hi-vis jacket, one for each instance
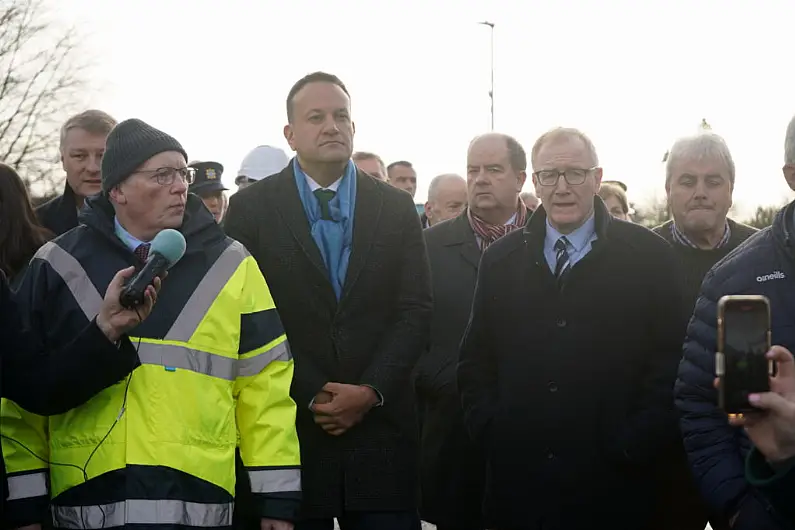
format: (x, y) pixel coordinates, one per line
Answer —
(158, 448)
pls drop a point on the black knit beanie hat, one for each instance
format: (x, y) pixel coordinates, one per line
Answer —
(129, 145)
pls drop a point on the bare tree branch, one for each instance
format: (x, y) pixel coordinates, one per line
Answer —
(40, 84)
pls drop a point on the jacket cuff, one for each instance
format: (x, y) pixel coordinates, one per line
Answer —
(28, 511)
(378, 394)
(281, 507)
(760, 473)
(120, 358)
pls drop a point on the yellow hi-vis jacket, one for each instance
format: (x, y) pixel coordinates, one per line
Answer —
(158, 448)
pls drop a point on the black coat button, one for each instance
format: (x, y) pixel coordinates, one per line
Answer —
(553, 386)
(561, 323)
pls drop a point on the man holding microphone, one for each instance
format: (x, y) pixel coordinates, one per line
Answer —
(214, 367)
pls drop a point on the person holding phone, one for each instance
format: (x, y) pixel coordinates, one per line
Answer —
(764, 265)
(770, 465)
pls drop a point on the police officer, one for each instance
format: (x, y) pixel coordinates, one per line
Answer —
(207, 185)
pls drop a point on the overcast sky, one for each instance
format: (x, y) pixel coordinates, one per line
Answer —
(633, 75)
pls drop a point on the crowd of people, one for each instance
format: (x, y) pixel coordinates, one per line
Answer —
(325, 350)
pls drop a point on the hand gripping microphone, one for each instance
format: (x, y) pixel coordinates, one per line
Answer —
(166, 249)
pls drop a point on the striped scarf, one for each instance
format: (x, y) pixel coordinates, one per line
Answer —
(489, 233)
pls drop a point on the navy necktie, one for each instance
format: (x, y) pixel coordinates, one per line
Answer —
(562, 260)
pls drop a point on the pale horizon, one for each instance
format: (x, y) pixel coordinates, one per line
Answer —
(632, 77)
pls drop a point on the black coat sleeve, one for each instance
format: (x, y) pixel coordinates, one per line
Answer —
(391, 368)
(653, 426)
(241, 226)
(477, 367)
(48, 382)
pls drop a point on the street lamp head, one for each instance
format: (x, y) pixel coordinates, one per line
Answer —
(487, 23)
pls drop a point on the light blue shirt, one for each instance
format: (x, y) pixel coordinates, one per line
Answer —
(127, 238)
(580, 242)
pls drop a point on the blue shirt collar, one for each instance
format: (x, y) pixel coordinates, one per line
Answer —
(577, 239)
(127, 238)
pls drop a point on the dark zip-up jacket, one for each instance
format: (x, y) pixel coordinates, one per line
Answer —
(764, 265)
(59, 215)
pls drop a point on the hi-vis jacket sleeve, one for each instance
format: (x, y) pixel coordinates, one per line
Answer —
(265, 411)
(26, 451)
(43, 375)
(24, 435)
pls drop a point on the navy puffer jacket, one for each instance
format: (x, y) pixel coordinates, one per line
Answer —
(764, 264)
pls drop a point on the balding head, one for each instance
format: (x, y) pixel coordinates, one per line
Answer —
(496, 172)
(530, 200)
(447, 197)
(517, 156)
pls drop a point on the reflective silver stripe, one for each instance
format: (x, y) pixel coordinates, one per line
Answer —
(254, 365)
(75, 277)
(173, 356)
(139, 511)
(275, 480)
(27, 486)
(206, 292)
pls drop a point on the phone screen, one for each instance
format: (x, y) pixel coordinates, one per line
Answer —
(745, 326)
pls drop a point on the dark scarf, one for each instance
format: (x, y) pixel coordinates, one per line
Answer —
(489, 233)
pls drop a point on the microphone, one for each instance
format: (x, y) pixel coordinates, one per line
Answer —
(166, 249)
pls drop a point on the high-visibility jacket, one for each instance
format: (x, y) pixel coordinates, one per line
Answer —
(158, 448)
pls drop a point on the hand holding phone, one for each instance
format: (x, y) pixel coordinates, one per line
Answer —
(744, 339)
(773, 430)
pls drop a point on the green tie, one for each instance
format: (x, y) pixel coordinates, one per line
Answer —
(324, 197)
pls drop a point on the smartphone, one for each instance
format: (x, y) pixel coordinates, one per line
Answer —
(743, 341)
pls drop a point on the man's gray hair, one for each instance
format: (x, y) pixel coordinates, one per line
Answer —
(437, 181)
(789, 143)
(563, 133)
(705, 145)
(93, 121)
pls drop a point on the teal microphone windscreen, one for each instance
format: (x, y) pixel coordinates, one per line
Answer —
(170, 244)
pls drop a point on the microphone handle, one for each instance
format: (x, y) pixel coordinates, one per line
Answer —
(133, 293)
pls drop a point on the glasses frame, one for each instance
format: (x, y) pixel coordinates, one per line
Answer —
(188, 174)
(562, 173)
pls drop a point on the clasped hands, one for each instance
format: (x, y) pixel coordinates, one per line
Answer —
(339, 406)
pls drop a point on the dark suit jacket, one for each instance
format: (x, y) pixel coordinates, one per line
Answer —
(373, 336)
(452, 468)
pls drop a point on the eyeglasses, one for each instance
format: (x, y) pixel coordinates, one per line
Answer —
(165, 176)
(574, 177)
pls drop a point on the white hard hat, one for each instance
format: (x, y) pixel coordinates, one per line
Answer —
(263, 161)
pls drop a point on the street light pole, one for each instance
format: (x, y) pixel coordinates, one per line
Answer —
(491, 89)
